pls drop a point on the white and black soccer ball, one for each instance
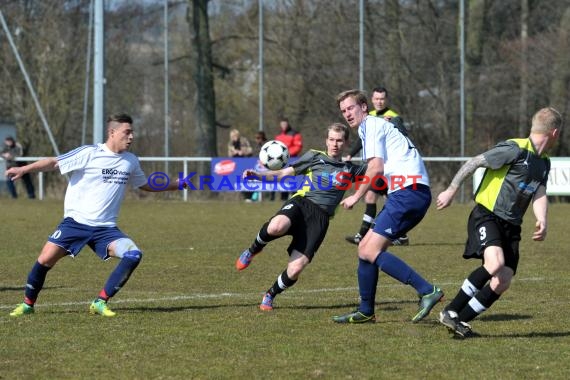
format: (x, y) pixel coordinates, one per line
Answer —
(274, 155)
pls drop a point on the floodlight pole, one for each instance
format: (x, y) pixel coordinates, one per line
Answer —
(462, 84)
(361, 45)
(260, 32)
(87, 72)
(98, 72)
(166, 105)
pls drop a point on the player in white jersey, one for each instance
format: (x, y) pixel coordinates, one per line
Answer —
(390, 154)
(406, 163)
(100, 175)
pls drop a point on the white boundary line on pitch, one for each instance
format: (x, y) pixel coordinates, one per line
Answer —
(233, 295)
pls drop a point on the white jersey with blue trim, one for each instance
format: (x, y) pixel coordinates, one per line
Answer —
(403, 164)
(98, 183)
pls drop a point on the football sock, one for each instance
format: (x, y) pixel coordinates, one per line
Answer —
(35, 283)
(367, 282)
(283, 282)
(398, 269)
(478, 304)
(122, 272)
(367, 218)
(471, 286)
(263, 238)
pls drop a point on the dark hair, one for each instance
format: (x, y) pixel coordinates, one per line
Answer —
(10, 138)
(381, 90)
(120, 118)
(261, 135)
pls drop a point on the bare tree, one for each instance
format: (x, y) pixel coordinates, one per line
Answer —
(393, 45)
(560, 85)
(205, 126)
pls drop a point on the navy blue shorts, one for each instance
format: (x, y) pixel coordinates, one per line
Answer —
(402, 211)
(73, 236)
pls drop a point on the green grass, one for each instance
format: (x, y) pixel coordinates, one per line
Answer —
(187, 313)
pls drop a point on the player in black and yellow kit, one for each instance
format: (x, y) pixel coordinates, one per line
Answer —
(305, 216)
(380, 102)
(516, 175)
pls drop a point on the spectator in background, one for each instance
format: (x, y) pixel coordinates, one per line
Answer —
(12, 150)
(260, 139)
(294, 142)
(380, 102)
(239, 146)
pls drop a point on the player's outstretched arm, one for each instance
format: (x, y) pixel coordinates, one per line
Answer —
(375, 166)
(43, 165)
(445, 198)
(269, 175)
(172, 186)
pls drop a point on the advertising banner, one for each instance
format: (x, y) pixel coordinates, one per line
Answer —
(226, 175)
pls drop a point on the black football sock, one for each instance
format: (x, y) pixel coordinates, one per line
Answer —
(367, 218)
(262, 239)
(471, 286)
(478, 304)
(283, 282)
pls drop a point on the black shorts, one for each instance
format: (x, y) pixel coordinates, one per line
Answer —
(485, 229)
(380, 186)
(309, 225)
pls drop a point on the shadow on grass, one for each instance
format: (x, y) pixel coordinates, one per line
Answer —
(543, 334)
(439, 244)
(174, 309)
(11, 288)
(504, 317)
(22, 288)
(380, 306)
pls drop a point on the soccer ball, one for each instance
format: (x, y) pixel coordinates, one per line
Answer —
(274, 155)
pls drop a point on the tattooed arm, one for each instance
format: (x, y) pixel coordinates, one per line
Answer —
(445, 198)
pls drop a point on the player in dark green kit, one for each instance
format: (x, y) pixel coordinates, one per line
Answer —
(305, 216)
(516, 175)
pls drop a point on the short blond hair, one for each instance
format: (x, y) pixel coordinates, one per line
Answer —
(339, 127)
(546, 120)
(357, 95)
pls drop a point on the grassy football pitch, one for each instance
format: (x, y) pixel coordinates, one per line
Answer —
(187, 313)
